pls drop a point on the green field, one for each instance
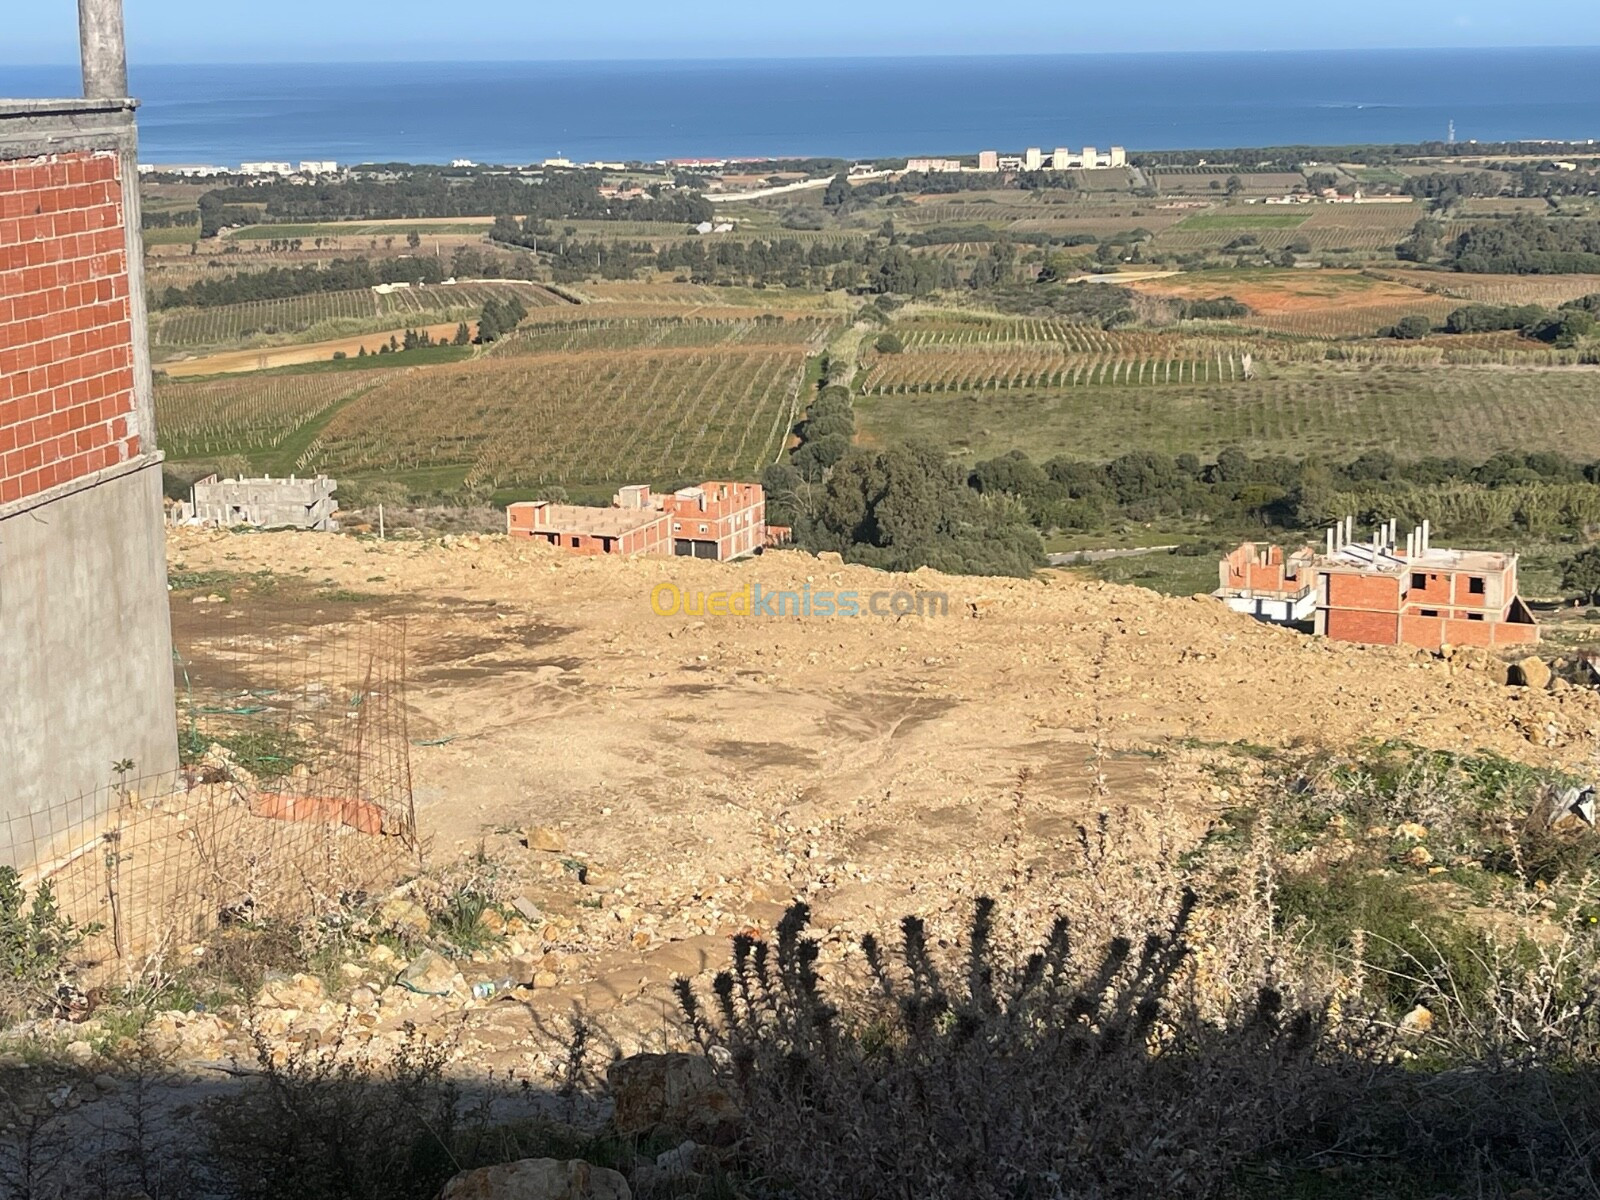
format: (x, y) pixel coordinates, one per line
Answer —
(1264, 219)
(1332, 409)
(177, 235)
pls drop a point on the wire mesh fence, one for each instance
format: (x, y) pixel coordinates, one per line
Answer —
(293, 794)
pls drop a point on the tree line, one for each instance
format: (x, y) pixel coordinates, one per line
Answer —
(424, 193)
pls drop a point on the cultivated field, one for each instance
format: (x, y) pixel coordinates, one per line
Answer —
(1318, 303)
(244, 415)
(327, 315)
(635, 333)
(946, 355)
(585, 418)
(1331, 409)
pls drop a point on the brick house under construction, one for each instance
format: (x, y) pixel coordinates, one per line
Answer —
(715, 520)
(85, 634)
(1385, 592)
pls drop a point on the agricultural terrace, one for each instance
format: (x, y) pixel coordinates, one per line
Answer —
(585, 418)
(945, 356)
(325, 315)
(248, 414)
(1338, 410)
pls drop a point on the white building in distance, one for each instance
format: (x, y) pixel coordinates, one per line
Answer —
(324, 167)
(266, 168)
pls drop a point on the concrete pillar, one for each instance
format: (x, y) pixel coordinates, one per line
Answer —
(104, 49)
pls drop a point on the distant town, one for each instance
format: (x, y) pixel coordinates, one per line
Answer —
(1033, 158)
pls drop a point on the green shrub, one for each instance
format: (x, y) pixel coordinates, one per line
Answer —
(37, 942)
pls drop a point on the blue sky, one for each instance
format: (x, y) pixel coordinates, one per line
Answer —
(44, 31)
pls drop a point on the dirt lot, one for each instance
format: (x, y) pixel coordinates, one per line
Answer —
(706, 771)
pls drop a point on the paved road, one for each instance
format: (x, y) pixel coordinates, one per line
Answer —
(1077, 557)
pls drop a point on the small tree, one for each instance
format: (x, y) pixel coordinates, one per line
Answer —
(1412, 328)
(1580, 574)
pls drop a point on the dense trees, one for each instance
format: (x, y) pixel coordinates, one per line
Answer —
(1527, 245)
(499, 318)
(909, 506)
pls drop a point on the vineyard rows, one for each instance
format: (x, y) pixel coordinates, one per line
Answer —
(580, 418)
(234, 415)
(985, 370)
(1507, 289)
(673, 333)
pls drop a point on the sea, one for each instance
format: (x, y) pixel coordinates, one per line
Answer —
(520, 112)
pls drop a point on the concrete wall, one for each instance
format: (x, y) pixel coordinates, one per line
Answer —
(85, 636)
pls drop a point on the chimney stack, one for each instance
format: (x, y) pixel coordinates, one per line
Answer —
(104, 49)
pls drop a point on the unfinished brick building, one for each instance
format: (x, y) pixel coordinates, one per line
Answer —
(1384, 591)
(715, 520)
(1258, 580)
(85, 638)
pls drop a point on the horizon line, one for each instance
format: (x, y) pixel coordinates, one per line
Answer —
(135, 64)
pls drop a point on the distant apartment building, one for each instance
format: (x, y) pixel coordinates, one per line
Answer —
(183, 170)
(934, 166)
(266, 168)
(321, 167)
(988, 160)
(1032, 159)
(715, 520)
(1061, 159)
(1118, 157)
(1383, 591)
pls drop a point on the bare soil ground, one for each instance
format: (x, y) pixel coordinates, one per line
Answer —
(705, 771)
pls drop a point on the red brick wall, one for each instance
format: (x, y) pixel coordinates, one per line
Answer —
(1352, 625)
(66, 333)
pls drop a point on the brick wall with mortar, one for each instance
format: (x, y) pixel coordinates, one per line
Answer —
(67, 405)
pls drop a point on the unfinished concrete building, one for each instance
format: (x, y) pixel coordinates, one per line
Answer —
(1382, 590)
(85, 638)
(265, 503)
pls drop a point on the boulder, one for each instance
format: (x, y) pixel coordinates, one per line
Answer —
(675, 1091)
(405, 917)
(298, 991)
(538, 1179)
(1532, 672)
(542, 837)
